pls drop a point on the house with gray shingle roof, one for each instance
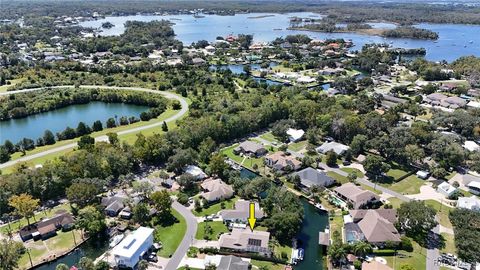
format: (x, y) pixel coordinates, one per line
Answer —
(232, 263)
(250, 148)
(310, 177)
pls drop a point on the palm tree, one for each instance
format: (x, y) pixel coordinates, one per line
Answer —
(361, 248)
(336, 253)
(142, 265)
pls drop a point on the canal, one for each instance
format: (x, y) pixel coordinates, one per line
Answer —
(34, 126)
(313, 223)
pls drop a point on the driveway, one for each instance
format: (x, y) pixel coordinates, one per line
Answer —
(188, 238)
(168, 95)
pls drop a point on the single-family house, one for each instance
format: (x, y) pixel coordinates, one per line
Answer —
(195, 171)
(233, 263)
(250, 148)
(197, 61)
(282, 162)
(245, 240)
(311, 177)
(133, 247)
(113, 205)
(338, 148)
(377, 225)
(47, 228)
(215, 189)
(357, 197)
(446, 189)
(471, 203)
(423, 174)
(240, 213)
(295, 135)
(471, 146)
(474, 187)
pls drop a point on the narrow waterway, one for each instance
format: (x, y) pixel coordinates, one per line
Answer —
(313, 223)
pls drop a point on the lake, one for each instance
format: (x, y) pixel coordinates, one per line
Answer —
(313, 223)
(33, 126)
(454, 40)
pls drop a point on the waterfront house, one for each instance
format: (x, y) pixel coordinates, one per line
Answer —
(375, 226)
(245, 240)
(355, 196)
(250, 148)
(48, 227)
(233, 263)
(215, 189)
(240, 213)
(470, 203)
(113, 205)
(311, 177)
(133, 248)
(282, 162)
(338, 148)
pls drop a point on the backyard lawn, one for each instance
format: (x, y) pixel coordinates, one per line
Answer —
(449, 244)
(171, 236)
(269, 137)
(442, 212)
(214, 208)
(395, 202)
(245, 161)
(417, 258)
(217, 228)
(268, 265)
(298, 146)
(16, 225)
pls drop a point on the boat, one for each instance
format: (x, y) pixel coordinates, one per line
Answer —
(297, 255)
(320, 207)
(115, 240)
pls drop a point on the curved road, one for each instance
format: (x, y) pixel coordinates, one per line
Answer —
(187, 240)
(168, 95)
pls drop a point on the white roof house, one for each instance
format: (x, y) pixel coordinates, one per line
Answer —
(295, 134)
(474, 187)
(471, 203)
(195, 172)
(129, 252)
(423, 174)
(338, 148)
(471, 146)
(446, 189)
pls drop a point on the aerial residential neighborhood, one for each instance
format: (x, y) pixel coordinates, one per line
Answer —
(239, 135)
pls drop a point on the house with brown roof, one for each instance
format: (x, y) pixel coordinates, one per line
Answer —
(376, 225)
(241, 212)
(250, 148)
(215, 189)
(245, 240)
(48, 227)
(355, 196)
(282, 162)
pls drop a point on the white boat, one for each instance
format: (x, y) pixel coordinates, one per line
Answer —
(115, 240)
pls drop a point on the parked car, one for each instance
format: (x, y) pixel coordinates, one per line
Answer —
(152, 257)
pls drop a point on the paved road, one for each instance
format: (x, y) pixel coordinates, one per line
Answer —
(182, 249)
(168, 95)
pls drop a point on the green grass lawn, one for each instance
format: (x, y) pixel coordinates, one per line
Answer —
(395, 202)
(215, 208)
(279, 249)
(339, 178)
(416, 258)
(298, 146)
(217, 228)
(269, 137)
(248, 163)
(449, 243)
(409, 185)
(18, 224)
(336, 222)
(442, 212)
(350, 170)
(371, 189)
(171, 236)
(268, 265)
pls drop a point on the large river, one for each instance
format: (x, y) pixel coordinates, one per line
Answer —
(454, 40)
(35, 125)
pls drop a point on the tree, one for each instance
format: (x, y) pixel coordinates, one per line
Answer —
(24, 205)
(82, 194)
(375, 165)
(336, 252)
(91, 221)
(9, 146)
(113, 138)
(180, 159)
(164, 126)
(416, 219)
(141, 214)
(465, 224)
(86, 263)
(48, 137)
(414, 153)
(62, 266)
(4, 154)
(357, 146)
(331, 159)
(162, 202)
(142, 265)
(205, 150)
(10, 253)
(86, 142)
(82, 129)
(217, 165)
(111, 123)
(102, 265)
(361, 248)
(97, 126)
